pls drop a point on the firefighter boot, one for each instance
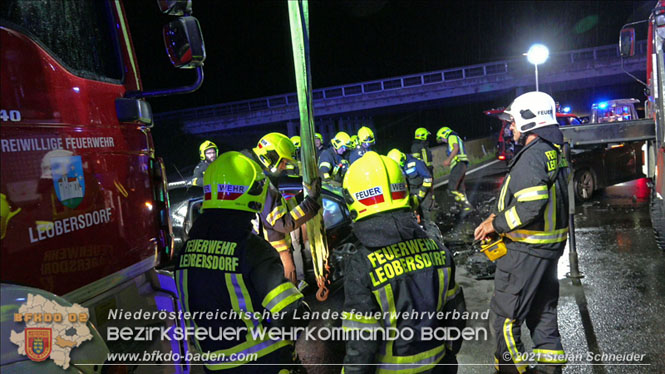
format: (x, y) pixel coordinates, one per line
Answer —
(461, 199)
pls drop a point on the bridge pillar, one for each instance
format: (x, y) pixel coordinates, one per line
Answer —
(369, 122)
(518, 91)
(342, 124)
(328, 130)
(291, 128)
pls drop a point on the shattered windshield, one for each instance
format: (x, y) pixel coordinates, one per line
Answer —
(79, 34)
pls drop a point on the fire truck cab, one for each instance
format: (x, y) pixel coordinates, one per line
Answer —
(85, 214)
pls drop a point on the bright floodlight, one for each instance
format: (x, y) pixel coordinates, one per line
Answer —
(537, 54)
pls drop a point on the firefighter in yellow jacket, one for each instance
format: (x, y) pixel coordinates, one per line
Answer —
(458, 161)
(532, 217)
(276, 218)
(225, 268)
(397, 268)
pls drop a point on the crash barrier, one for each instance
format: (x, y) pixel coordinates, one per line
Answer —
(479, 151)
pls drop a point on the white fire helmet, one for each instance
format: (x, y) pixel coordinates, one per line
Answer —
(531, 111)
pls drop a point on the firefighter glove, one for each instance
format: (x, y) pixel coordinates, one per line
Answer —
(314, 189)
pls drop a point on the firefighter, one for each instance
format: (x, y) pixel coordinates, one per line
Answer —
(419, 180)
(458, 161)
(355, 143)
(420, 148)
(365, 140)
(277, 219)
(318, 144)
(224, 268)
(207, 153)
(396, 268)
(293, 169)
(532, 217)
(332, 163)
(296, 143)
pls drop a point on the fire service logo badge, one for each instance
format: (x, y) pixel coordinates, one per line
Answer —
(68, 180)
(38, 343)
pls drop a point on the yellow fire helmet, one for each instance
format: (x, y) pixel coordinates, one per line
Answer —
(296, 141)
(398, 156)
(273, 148)
(374, 184)
(341, 139)
(234, 181)
(354, 141)
(206, 146)
(366, 135)
(319, 136)
(421, 133)
(443, 133)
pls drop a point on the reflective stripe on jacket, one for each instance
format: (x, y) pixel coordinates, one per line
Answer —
(277, 220)
(533, 201)
(461, 155)
(421, 151)
(329, 162)
(199, 171)
(398, 269)
(418, 176)
(224, 268)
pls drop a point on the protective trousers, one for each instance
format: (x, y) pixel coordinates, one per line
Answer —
(526, 289)
(456, 178)
(427, 207)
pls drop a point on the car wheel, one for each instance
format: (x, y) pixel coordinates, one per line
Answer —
(658, 219)
(584, 184)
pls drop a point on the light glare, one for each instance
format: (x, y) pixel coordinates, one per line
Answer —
(537, 54)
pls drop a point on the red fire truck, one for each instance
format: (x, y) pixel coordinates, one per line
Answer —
(85, 214)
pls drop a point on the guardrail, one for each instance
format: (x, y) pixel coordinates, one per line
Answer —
(562, 60)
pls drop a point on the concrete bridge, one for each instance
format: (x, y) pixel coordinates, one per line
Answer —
(347, 107)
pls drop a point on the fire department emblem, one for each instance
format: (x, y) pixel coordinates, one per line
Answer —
(68, 180)
(37, 343)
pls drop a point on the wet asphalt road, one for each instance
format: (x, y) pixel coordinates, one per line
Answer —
(615, 310)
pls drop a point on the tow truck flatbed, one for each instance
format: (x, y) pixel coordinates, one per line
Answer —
(610, 132)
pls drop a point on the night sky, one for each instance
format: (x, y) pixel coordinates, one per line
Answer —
(249, 48)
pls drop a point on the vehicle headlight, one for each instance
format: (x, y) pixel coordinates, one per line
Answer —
(178, 215)
(182, 211)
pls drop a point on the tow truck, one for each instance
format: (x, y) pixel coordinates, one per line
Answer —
(595, 165)
(85, 213)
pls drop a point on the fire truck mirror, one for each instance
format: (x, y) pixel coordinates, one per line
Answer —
(175, 7)
(627, 42)
(184, 43)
